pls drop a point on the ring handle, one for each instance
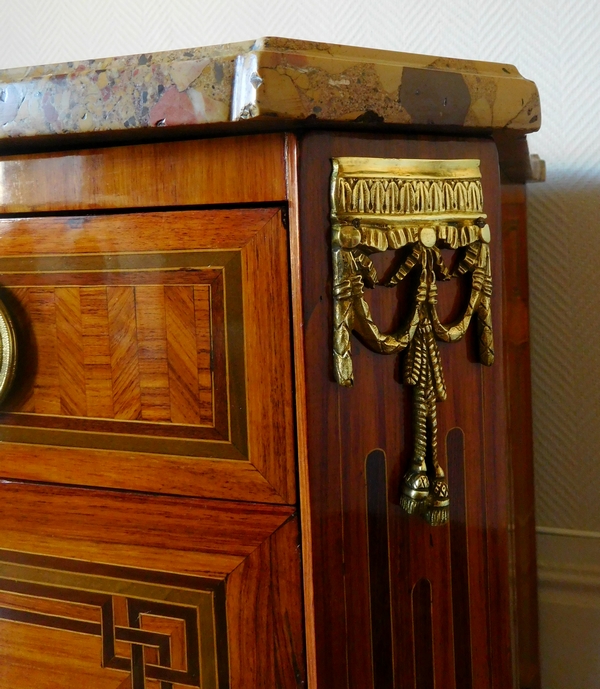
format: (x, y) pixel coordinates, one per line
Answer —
(8, 351)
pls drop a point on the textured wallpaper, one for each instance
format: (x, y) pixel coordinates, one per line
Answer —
(555, 43)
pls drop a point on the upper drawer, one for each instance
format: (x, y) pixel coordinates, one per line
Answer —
(153, 353)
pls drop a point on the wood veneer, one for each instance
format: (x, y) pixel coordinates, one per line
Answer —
(346, 425)
(161, 316)
(140, 332)
(232, 170)
(218, 583)
(520, 439)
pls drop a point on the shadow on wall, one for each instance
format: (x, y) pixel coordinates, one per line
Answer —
(564, 238)
(563, 233)
(569, 598)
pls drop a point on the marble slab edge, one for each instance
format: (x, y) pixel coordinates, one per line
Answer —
(266, 79)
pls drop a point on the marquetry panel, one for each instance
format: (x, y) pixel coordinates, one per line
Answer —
(132, 352)
(139, 335)
(141, 604)
(137, 625)
(128, 352)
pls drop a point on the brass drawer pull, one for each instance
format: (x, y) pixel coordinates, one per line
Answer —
(8, 351)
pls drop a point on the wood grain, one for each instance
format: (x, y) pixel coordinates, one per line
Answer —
(124, 367)
(497, 495)
(270, 415)
(182, 328)
(125, 340)
(233, 170)
(152, 553)
(182, 353)
(520, 440)
(168, 474)
(70, 352)
(23, 599)
(42, 310)
(22, 658)
(18, 304)
(423, 634)
(218, 362)
(96, 352)
(130, 232)
(188, 535)
(379, 568)
(292, 150)
(152, 350)
(459, 541)
(204, 351)
(346, 425)
(263, 603)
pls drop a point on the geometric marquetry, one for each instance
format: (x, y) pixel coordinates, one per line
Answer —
(149, 627)
(122, 590)
(137, 348)
(139, 338)
(131, 353)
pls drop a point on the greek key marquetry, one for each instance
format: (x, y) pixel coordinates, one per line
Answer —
(417, 208)
(149, 625)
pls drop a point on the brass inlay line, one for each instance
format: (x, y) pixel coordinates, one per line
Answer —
(114, 262)
(200, 611)
(420, 206)
(45, 565)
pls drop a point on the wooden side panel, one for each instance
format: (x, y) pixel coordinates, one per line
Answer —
(138, 337)
(237, 169)
(520, 440)
(447, 613)
(172, 593)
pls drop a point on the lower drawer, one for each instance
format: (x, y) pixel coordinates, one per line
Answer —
(112, 590)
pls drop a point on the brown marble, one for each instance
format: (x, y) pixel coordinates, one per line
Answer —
(270, 78)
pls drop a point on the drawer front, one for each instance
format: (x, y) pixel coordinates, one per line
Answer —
(153, 353)
(109, 591)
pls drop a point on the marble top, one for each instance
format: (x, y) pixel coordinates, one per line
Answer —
(265, 80)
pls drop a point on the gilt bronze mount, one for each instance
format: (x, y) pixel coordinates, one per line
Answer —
(8, 351)
(415, 207)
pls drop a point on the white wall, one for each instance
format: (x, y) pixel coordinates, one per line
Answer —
(555, 43)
